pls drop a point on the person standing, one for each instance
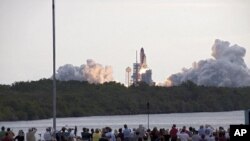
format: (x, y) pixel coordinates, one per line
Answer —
(126, 133)
(183, 136)
(86, 136)
(71, 135)
(30, 135)
(20, 136)
(110, 135)
(196, 137)
(47, 135)
(97, 135)
(201, 131)
(7, 137)
(75, 131)
(2, 133)
(10, 133)
(120, 136)
(173, 133)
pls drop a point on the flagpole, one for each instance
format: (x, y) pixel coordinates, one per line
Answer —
(54, 66)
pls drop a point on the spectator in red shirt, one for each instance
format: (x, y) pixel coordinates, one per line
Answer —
(173, 133)
(7, 137)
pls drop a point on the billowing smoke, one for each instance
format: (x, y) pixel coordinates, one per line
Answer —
(91, 72)
(227, 69)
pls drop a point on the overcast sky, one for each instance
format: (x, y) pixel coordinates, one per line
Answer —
(174, 34)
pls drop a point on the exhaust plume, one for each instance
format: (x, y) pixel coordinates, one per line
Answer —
(91, 72)
(227, 69)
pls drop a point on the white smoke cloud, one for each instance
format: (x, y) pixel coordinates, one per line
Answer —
(91, 72)
(227, 69)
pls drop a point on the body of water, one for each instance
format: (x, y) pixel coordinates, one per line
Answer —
(214, 119)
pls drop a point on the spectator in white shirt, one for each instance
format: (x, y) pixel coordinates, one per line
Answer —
(183, 136)
(47, 135)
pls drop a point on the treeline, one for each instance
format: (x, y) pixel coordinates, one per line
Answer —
(33, 100)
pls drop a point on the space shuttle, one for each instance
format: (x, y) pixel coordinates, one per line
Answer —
(141, 72)
(143, 62)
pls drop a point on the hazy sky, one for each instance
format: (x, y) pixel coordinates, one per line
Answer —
(174, 34)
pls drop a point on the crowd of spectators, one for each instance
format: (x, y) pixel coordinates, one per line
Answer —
(204, 133)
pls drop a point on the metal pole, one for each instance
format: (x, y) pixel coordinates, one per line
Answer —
(54, 66)
(128, 78)
(148, 113)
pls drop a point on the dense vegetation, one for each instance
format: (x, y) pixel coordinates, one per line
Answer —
(33, 100)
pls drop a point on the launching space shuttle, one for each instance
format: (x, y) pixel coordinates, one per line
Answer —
(143, 62)
(141, 72)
